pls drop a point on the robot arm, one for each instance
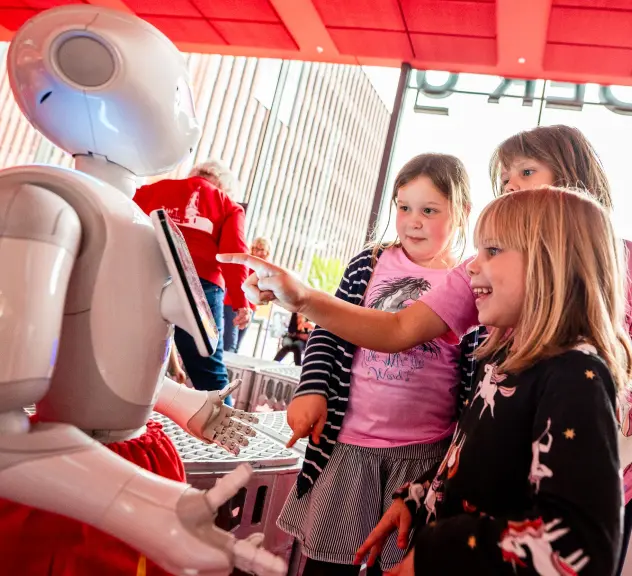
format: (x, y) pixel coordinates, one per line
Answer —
(204, 415)
(39, 239)
(40, 236)
(170, 522)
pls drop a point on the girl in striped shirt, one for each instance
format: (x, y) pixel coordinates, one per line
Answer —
(369, 448)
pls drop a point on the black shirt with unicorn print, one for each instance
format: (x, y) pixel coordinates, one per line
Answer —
(531, 483)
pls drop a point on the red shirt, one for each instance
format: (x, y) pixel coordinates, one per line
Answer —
(210, 223)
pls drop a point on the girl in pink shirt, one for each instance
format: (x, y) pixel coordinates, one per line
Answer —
(546, 155)
(365, 449)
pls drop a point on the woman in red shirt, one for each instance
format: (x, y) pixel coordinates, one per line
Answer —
(210, 222)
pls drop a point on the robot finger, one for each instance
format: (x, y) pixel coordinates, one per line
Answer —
(228, 390)
(243, 441)
(239, 437)
(231, 417)
(231, 433)
(226, 487)
(227, 443)
(245, 416)
(218, 435)
(242, 428)
(257, 560)
(226, 421)
(224, 416)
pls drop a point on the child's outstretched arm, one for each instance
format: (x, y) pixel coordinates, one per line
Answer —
(365, 327)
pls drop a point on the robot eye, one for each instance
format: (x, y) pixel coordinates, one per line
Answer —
(85, 60)
(184, 98)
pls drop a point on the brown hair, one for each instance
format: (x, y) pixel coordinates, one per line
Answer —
(565, 150)
(449, 176)
(574, 280)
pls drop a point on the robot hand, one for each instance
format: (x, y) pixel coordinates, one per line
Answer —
(197, 512)
(169, 522)
(222, 425)
(204, 415)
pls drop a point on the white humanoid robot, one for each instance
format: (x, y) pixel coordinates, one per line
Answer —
(90, 288)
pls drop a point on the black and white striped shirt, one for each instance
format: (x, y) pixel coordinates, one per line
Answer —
(327, 371)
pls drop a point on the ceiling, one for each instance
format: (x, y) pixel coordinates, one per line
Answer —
(568, 40)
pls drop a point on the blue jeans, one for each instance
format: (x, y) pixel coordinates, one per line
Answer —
(232, 335)
(206, 372)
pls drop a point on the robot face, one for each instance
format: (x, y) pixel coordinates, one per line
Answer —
(94, 80)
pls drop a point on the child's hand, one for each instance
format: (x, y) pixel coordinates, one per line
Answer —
(269, 283)
(307, 415)
(179, 375)
(175, 368)
(397, 517)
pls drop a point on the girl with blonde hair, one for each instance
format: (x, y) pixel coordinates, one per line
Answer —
(531, 481)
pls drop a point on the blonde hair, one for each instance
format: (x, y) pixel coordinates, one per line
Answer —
(263, 242)
(219, 175)
(567, 153)
(449, 176)
(574, 282)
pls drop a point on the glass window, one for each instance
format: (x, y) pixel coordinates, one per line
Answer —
(267, 80)
(290, 89)
(466, 115)
(606, 120)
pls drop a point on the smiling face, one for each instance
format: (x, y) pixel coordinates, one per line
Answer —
(423, 223)
(498, 282)
(525, 173)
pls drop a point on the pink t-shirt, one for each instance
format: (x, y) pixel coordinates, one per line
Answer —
(454, 302)
(626, 402)
(407, 397)
(628, 316)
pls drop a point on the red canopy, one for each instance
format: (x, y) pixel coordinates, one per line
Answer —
(572, 40)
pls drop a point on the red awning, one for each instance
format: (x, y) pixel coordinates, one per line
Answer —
(572, 40)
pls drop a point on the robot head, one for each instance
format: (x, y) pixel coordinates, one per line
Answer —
(97, 81)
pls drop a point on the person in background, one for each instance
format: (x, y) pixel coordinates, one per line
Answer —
(294, 341)
(174, 368)
(233, 334)
(210, 220)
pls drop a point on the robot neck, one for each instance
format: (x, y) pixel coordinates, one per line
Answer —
(113, 174)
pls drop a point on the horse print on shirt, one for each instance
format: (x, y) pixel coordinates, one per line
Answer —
(528, 544)
(541, 445)
(399, 293)
(488, 387)
(396, 294)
